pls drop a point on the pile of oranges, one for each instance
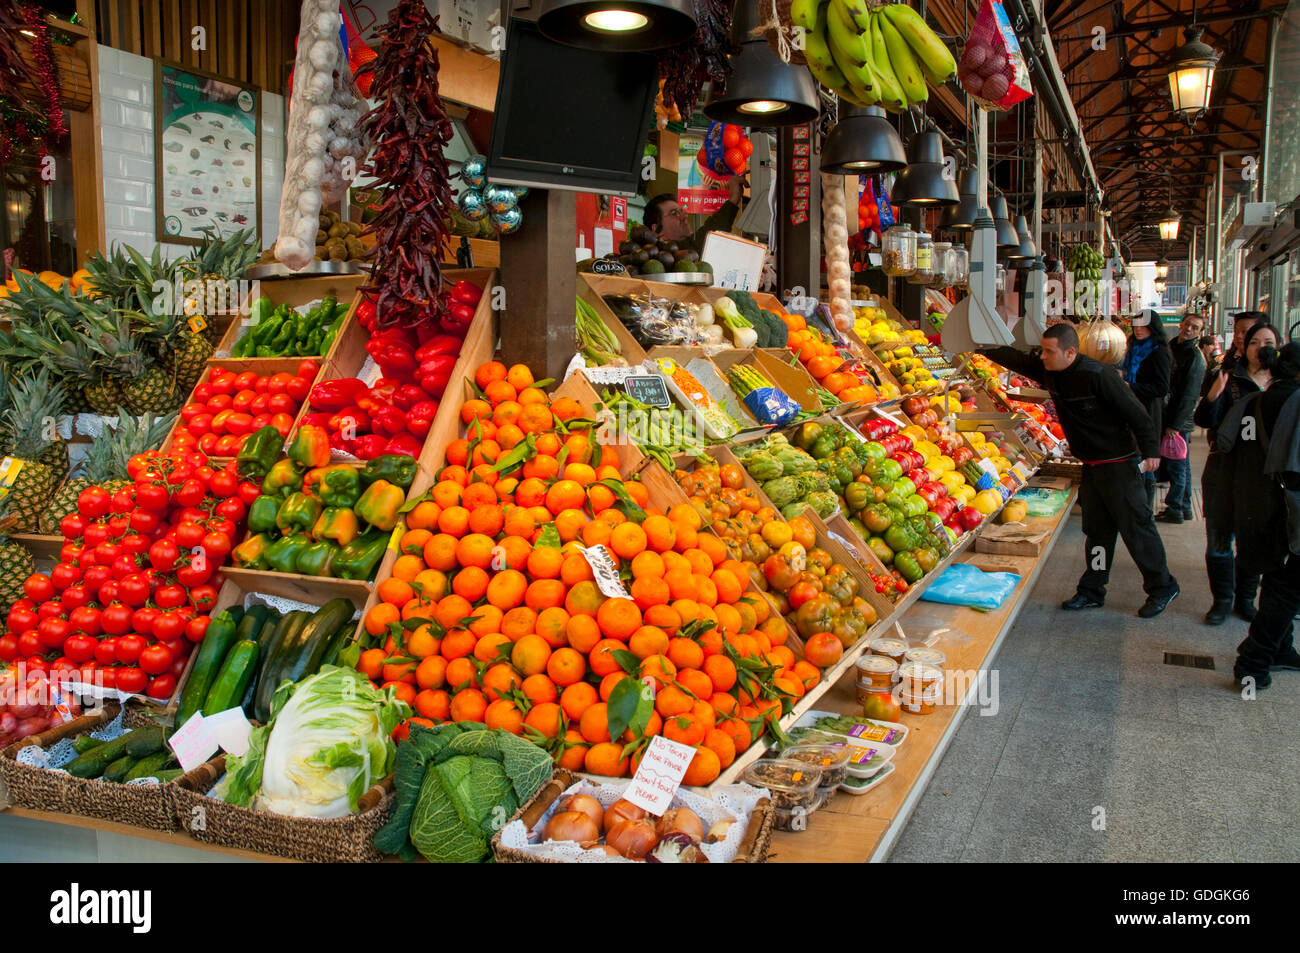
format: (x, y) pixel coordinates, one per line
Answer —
(492, 612)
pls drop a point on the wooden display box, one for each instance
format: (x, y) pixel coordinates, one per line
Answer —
(719, 390)
(793, 380)
(293, 292)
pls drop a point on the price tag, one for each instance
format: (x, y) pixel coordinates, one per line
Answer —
(197, 323)
(602, 567)
(10, 467)
(192, 743)
(659, 775)
(649, 389)
(229, 729)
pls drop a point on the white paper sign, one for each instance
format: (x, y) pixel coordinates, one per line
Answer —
(737, 262)
(606, 573)
(659, 775)
(192, 743)
(229, 729)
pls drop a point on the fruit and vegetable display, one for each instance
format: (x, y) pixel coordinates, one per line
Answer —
(652, 321)
(315, 518)
(716, 422)
(789, 476)
(231, 409)
(281, 331)
(644, 253)
(597, 344)
(872, 55)
(1042, 419)
(769, 405)
(658, 433)
(136, 579)
(29, 705)
(918, 367)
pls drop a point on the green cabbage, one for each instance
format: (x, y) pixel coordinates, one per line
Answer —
(328, 741)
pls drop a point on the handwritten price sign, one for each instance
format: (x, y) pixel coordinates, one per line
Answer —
(659, 775)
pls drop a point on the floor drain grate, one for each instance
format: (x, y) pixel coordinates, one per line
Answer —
(1189, 661)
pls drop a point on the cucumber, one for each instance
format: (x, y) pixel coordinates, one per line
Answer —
(268, 676)
(147, 767)
(266, 634)
(95, 762)
(212, 652)
(233, 679)
(145, 741)
(251, 624)
(84, 743)
(337, 641)
(236, 613)
(164, 777)
(316, 637)
(118, 770)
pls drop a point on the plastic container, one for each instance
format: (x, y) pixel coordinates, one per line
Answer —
(864, 730)
(920, 678)
(898, 251)
(876, 671)
(832, 759)
(940, 256)
(924, 273)
(792, 784)
(925, 656)
(866, 691)
(890, 648)
(854, 785)
(919, 703)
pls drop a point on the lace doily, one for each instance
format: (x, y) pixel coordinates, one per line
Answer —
(59, 755)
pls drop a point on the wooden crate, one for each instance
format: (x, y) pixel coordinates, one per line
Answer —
(293, 292)
(721, 392)
(793, 380)
(630, 457)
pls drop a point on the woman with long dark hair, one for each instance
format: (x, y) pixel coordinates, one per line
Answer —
(1146, 371)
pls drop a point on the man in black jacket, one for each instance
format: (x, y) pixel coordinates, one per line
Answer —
(1108, 429)
(1184, 390)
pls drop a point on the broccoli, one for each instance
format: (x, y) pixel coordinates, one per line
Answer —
(780, 332)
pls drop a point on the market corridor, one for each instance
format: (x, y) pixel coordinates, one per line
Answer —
(1102, 752)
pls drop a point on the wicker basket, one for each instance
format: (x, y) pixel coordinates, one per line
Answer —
(319, 840)
(753, 847)
(58, 792)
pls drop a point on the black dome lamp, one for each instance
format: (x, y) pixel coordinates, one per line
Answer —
(1007, 237)
(622, 26)
(961, 217)
(762, 90)
(923, 182)
(862, 141)
(1024, 250)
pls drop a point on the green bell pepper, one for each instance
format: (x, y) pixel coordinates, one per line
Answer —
(259, 453)
(337, 523)
(251, 553)
(393, 467)
(282, 555)
(380, 503)
(358, 559)
(284, 477)
(299, 511)
(261, 515)
(339, 485)
(316, 559)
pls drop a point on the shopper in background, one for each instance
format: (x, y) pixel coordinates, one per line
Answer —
(1260, 436)
(1146, 371)
(665, 217)
(1232, 585)
(1212, 355)
(1184, 389)
(1111, 432)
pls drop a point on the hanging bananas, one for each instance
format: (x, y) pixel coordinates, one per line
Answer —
(869, 55)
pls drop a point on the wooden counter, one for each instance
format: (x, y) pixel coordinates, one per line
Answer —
(858, 828)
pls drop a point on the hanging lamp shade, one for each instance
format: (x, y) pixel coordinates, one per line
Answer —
(1191, 74)
(923, 182)
(862, 141)
(1024, 250)
(622, 26)
(762, 90)
(1007, 237)
(961, 217)
(1162, 268)
(1169, 225)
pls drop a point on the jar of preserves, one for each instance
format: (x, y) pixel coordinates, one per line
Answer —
(961, 266)
(898, 251)
(942, 252)
(924, 273)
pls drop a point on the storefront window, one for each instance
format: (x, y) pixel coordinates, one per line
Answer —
(37, 219)
(1282, 161)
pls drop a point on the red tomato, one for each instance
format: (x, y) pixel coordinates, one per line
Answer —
(117, 526)
(107, 677)
(239, 423)
(298, 389)
(279, 382)
(131, 680)
(189, 534)
(197, 628)
(259, 404)
(123, 566)
(189, 575)
(232, 509)
(151, 497)
(222, 525)
(283, 423)
(246, 380)
(123, 500)
(73, 526)
(162, 687)
(308, 369)
(282, 404)
(217, 403)
(53, 632)
(228, 445)
(216, 546)
(199, 426)
(202, 392)
(190, 493)
(249, 491)
(134, 590)
(168, 627)
(50, 610)
(190, 411)
(163, 555)
(106, 651)
(116, 618)
(136, 544)
(184, 440)
(203, 598)
(85, 619)
(38, 587)
(129, 648)
(29, 644)
(64, 575)
(208, 443)
(243, 400)
(169, 597)
(109, 591)
(75, 597)
(222, 384)
(21, 618)
(105, 553)
(156, 659)
(95, 534)
(79, 648)
(9, 649)
(143, 619)
(262, 384)
(224, 484)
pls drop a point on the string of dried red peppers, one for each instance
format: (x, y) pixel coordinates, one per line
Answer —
(685, 68)
(410, 129)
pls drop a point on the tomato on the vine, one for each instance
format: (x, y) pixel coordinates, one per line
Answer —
(73, 526)
(169, 597)
(116, 618)
(134, 589)
(216, 546)
(189, 577)
(232, 508)
(249, 491)
(168, 627)
(76, 597)
(190, 493)
(118, 525)
(145, 521)
(151, 497)
(162, 687)
(106, 651)
(50, 610)
(203, 598)
(223, 484)
(163, 555)
(156, 659)
(135, 543)
(131, 680)
(129, 648)
(197, 628)
(71, 553)
(79, 648)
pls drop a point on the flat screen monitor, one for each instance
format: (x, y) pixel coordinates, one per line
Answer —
(569, 118)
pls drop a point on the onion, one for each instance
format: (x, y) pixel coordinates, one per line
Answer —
(677, 848)
(622, 810)
(993, 65)
(718, 832)
(609, 851)
(25, 711)
(976, 53)
(632, 839)
(972, 82)
(30, 726)
(682, 820)
(996, 87)
(8, 722)
(587, 805)
(574, 826)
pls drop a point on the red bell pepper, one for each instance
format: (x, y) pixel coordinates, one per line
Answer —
(419, 418)
(407, 396)
(466, 292)
(388, 420)
(336, 394)
(346, 442)
(353, 417)
(366, 315)
(370, 446)
(458, 318)
(440, 344)
(435, 374)
(405, 445)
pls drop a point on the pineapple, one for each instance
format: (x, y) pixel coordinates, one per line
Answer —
(183, 352)
(34, 403)
(217, 262)
(16, 563)
(106, 463)
(130, 379)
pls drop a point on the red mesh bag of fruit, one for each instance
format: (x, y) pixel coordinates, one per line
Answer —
(992, 68)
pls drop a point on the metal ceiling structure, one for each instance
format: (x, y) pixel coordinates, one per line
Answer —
(1114, 55)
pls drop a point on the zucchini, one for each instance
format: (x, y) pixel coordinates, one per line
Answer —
(118, 770)
(286, 634)
(147, 767)
(212, 652)
(316, 637)
(252, 623)
(83, 743)
(145, 741)
(233, 679)
(236, 613)
(95, 762)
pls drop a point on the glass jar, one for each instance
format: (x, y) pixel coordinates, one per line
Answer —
(1000, 281)
(924, 273)
(898, 251)
(940, 254)
(961, 266)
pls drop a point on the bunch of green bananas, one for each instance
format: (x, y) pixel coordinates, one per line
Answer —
(872, 55)
(1086, 263)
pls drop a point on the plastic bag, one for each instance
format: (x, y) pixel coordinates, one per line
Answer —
(965, 585)
(1040, 501)
(1173, 447)
(992, 68)
(771, 406)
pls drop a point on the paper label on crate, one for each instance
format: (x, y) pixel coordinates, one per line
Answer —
(10, 467)
(229, 729)
(659, 775)
(192, 743)
(602, 567)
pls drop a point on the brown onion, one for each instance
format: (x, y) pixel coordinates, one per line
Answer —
(632, 839)
(587, 805)
(622, 810)
(996, 87)
(610, 851)
(975, 55)
(718, 832)
(683, 820)
(572, 825)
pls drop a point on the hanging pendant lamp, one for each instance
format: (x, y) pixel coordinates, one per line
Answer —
(1191, 74)
(961, 217)
(1024, 250)
(1007, 237)
(1169, 225)
(762, 90)
(923, 182)
(862, 141)
(622, 26)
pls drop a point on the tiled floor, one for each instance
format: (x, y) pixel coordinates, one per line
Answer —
(1100, 752)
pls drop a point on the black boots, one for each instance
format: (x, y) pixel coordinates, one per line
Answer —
(1247, 588)
(1220, 571)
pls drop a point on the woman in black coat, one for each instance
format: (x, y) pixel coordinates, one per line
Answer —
(1146, 369)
